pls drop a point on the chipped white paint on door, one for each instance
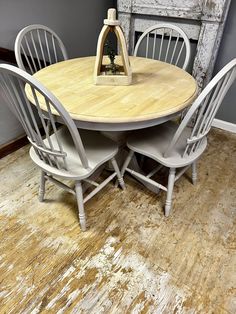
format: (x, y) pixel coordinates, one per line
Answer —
(202, 20)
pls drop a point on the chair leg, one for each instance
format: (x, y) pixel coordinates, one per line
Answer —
(118, 173)
(194, 172)
(171, 181)
(127, 161)
(80, 202)
(125, 165)
(42, 186)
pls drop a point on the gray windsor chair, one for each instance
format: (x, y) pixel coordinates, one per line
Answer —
(179, 146)
(66, 152)
(37, 46)
(165, 42)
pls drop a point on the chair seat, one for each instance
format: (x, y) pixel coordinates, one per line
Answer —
(153, 142)
(98, 149)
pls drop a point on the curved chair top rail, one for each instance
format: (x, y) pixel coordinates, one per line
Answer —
(204, 109)
(172, 51)
(13, 81)
(39, 46)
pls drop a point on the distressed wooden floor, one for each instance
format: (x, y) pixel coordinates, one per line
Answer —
(132, 259)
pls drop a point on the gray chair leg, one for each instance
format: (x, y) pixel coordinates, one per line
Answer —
(127, 161)
(80, 202)
(194, 172)
(119, 176)
(125, 165)
(42, 186)
(171, 181)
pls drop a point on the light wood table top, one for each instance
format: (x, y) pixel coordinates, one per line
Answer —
(158, 91)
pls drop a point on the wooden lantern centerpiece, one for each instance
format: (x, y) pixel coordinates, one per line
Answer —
(107, 71)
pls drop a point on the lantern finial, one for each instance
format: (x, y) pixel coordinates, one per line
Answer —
(111, 18)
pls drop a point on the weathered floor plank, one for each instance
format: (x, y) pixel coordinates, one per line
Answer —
(132, 259)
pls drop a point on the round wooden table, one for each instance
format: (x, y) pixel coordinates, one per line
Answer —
(158, 92)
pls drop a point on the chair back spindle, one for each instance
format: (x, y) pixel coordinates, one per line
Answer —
(37, 46)
(37, 121)
(203, 110)
(164, 42)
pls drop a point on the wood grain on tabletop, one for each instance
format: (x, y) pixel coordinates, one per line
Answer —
(158, 89)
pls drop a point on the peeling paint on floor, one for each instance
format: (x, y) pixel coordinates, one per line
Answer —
(132, 259)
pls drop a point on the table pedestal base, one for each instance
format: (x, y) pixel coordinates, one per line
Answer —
(120, 138)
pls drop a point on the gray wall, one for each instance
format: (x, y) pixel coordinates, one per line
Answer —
(227, 52)
(77, 22)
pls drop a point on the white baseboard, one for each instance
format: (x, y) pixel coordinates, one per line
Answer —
(224, 125)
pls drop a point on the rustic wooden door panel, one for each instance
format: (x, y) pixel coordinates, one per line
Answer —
(202, 20)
